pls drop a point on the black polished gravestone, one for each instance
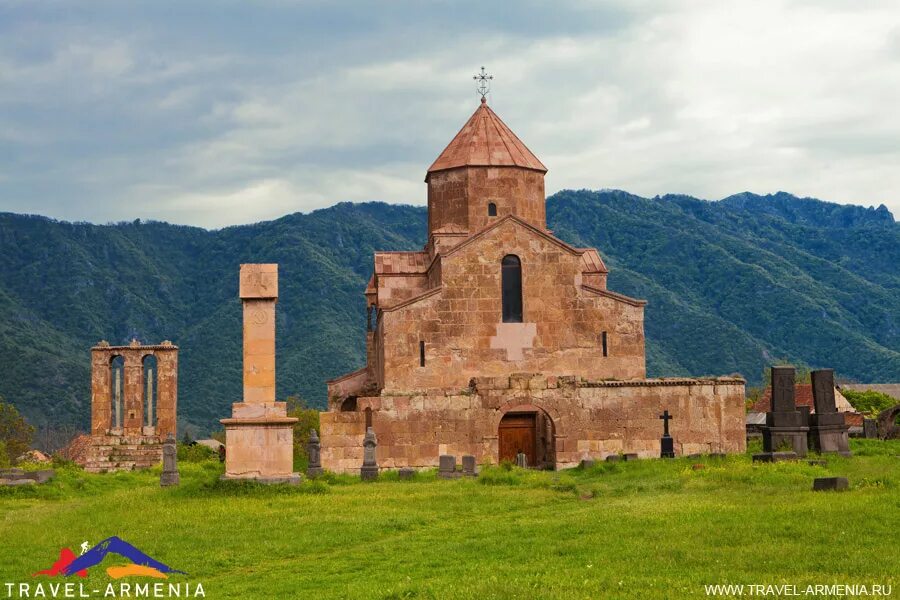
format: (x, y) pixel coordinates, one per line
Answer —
(786, 427)
(827, 429)
(666, 443)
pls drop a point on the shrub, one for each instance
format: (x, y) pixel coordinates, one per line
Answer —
(4, 457)
(196, 453)
(869, 402)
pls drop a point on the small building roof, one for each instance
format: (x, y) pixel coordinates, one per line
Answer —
(486, 141)
(591, 261)
(803, 396)
(401, 263)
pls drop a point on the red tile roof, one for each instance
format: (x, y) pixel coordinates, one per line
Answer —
(591, 261)
(803, 396)
(485, 140)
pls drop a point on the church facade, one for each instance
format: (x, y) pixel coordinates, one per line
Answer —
(499, 338)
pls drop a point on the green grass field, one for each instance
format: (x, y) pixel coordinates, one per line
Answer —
(645, 529)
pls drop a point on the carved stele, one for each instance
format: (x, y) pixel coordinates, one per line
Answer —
(259, 436)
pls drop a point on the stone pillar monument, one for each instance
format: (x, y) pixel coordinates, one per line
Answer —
(827, 431)
(785, 426)
(259, 436)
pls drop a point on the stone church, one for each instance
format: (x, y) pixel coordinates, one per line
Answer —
(498, 338)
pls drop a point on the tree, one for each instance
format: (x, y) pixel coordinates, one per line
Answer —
(15, 432)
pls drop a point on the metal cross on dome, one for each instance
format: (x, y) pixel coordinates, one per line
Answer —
(483, 85)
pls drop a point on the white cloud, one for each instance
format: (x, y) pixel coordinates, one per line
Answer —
(117, 115)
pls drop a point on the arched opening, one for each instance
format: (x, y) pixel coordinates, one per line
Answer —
(530, 431)
(492, 209)
(368, 418)
(349, 404)
(511, 288)
(151, 380)
(116, 391)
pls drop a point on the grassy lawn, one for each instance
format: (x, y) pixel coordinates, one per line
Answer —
(645, 529)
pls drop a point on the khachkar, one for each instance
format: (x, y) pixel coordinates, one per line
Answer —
(786, 427)
(259, 436)
(827, 429)
(134, 399)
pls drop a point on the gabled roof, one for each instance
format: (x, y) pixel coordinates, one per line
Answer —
(486, 141)
(591, 261)
(502, 221)
(401, 263)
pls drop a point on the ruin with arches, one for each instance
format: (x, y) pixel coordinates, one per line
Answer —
(498, 339)
(134, 400)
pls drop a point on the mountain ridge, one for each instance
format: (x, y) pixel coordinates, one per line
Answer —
(732, 284)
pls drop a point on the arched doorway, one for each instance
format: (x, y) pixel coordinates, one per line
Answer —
(530, 430)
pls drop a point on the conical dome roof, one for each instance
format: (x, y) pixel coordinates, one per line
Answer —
(486, 141)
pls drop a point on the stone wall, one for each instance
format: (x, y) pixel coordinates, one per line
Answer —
(590, 419)
(458, 198)
(461, 321)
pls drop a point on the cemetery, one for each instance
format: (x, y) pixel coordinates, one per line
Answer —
(626, 529)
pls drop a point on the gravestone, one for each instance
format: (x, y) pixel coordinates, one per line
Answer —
(630, 456)
(313, 451)
(406, 473)
(785, 425)
(775, 457)
(468, 465)
(522, 460)
(15, 477)
(587, 463)
(369, 469)
(613, 458)
(827, 429)
(870, 429)
(666, 443)
(447, 467)
(824, 484)
(169, 474)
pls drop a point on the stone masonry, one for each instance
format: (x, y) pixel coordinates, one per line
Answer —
(453, 329)
(134, 440)
(590, 418)
(259, 436)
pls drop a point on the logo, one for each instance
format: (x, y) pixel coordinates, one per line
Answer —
(141, 564)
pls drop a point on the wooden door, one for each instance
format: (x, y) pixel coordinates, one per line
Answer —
(517, 434)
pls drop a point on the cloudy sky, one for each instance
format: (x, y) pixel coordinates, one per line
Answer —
(218, 113)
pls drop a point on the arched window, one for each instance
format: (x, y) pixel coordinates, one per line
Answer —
(492, 210)
(116, 391)
(511, 289)
(150, 391)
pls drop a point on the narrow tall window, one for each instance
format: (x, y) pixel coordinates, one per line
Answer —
(603, 343)
(511, 288)
(368, 418)
(492, 210)
(421, 353)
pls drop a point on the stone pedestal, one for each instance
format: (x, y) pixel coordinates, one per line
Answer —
(259, 436)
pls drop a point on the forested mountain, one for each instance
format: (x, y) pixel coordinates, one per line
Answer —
(732, 285)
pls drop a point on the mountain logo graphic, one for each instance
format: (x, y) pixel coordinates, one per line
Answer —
(141, 564)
